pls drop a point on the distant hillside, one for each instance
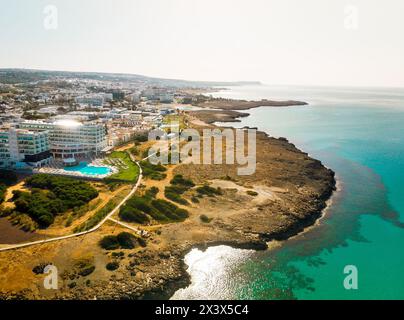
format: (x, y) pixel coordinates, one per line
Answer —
(15, 76)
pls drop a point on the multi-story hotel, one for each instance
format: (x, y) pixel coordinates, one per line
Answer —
(20, 148)
(70, 139)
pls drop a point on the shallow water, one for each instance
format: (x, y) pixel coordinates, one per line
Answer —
(359, 133)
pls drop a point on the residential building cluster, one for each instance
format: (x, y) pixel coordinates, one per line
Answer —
(73, 119)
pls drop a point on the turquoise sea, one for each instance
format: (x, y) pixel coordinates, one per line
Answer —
(359, 133)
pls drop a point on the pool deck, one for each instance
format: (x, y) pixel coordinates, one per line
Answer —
(57, 168)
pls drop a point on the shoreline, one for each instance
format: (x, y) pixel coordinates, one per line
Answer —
(160, 268)
(292, 233)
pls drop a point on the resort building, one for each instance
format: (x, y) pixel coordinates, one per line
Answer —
(21, 148)
(71, 139)
(96, 100)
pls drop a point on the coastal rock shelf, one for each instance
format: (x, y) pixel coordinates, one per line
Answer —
(287, 193)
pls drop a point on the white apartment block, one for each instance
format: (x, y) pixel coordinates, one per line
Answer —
(70, 139)
(96, 100)
(20, 148)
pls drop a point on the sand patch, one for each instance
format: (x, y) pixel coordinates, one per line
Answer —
(264, 193)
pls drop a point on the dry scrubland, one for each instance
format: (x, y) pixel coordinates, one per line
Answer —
(286, 194)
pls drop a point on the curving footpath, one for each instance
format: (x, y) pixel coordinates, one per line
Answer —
(108, 217)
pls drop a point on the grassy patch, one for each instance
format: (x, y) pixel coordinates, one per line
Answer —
(128, 170)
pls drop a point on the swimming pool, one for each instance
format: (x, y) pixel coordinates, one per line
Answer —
(84, 168)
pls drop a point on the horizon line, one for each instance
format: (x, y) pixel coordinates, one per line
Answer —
(256, 82)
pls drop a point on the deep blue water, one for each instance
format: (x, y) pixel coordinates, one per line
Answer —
(359, 133)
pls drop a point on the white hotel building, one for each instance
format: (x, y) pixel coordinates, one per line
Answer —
(70, 139)
(21, 148)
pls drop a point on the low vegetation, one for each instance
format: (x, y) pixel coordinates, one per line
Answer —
(3, 189)
(252, 193)
(124, 240)
(84, 267)
(112, 266)
(153, 171)
(50, 196)
(179, 180)
(109, 243)
(205, 219)
(73, 193)
(179, 185)
(152, 192)
(209, 191)
(97, 217)
(142, 209)
(7, 178)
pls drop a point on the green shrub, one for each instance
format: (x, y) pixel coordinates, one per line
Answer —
(173, 196)
(252, 193)
(73, 193)
(142, 242)
(133, 215)
(69, 221)
(85, 267)
(180, 180)
(208, 191)
(50, 196)
(152, 192)
(156, 215)
(152, 171)
(205, 218)
(118, 254)
(169, 210)
(3, 189)
(139, 203)
(111, 266)
(126, 240)
(109, 243)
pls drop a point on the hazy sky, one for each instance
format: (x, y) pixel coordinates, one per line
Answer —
(274, 41)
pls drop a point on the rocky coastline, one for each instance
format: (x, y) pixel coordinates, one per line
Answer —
(293, 190)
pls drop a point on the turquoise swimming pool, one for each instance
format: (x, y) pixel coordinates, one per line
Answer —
(84, 168)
